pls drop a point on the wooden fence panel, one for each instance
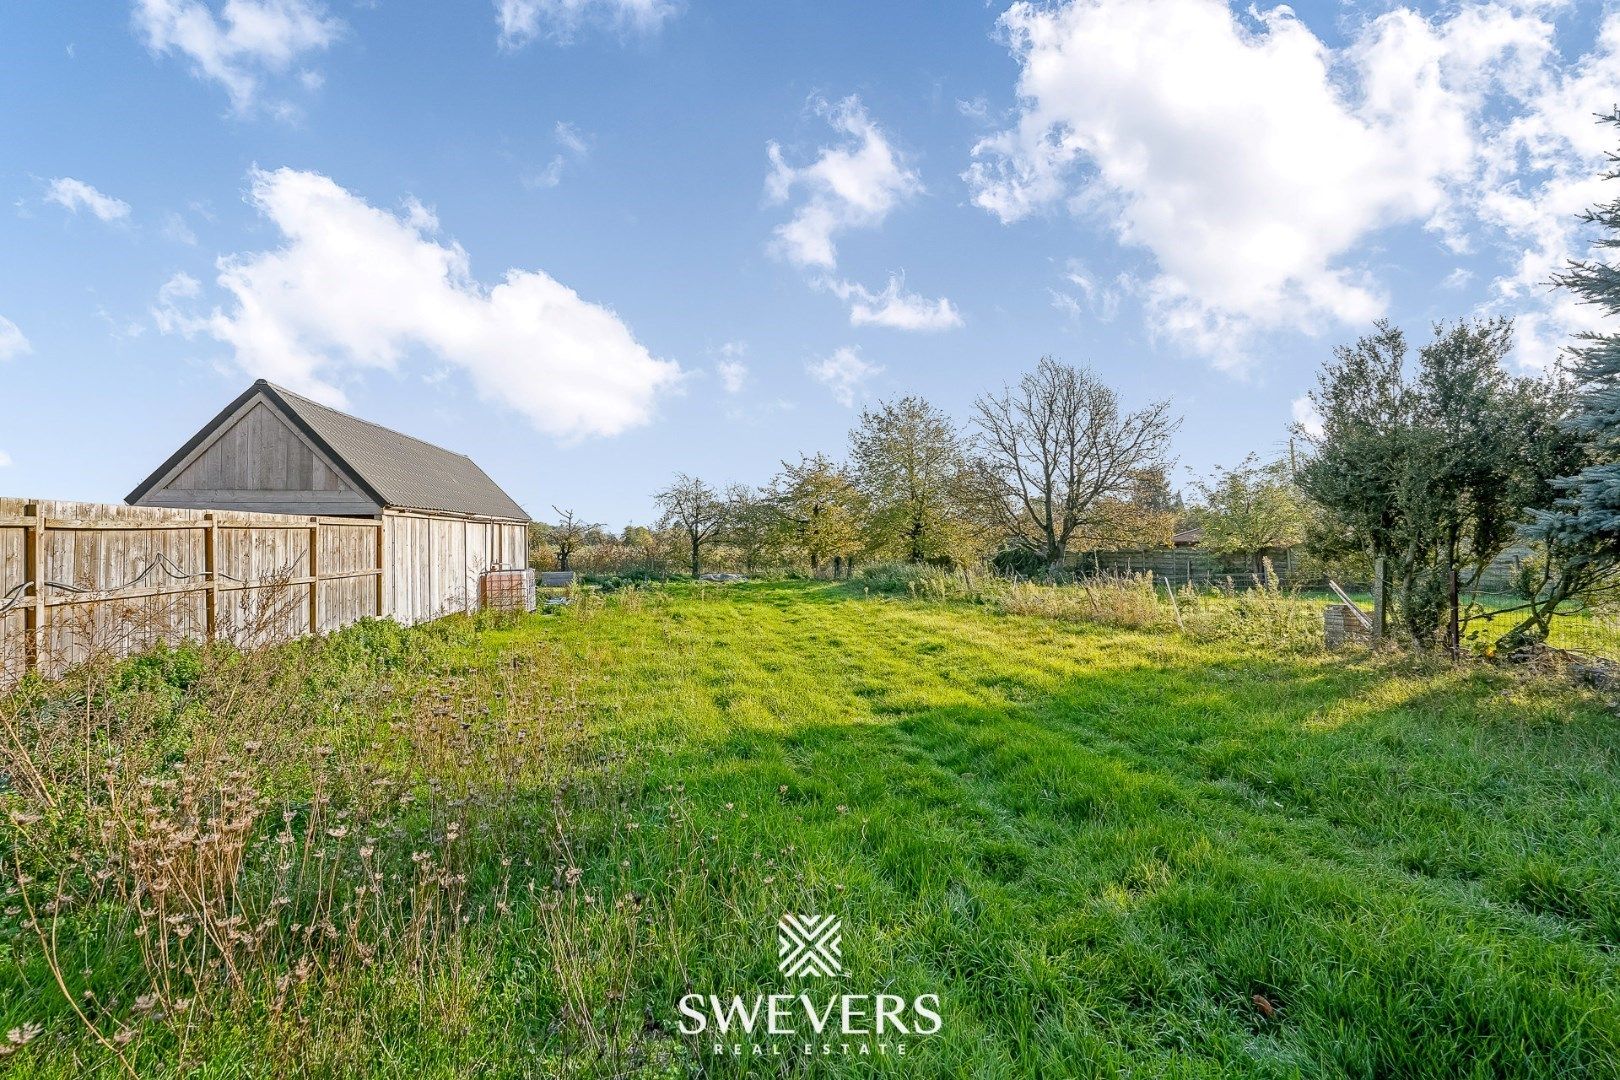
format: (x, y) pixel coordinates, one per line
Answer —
(79, 580)
(13, 576)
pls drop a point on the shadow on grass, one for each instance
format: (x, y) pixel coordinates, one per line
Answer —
(1108, 876)
(1102, 849)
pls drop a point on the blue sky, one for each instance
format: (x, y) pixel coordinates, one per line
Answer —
(593, 242)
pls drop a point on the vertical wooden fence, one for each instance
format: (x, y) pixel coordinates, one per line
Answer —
(79, 580)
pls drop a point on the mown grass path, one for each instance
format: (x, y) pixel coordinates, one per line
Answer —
(1117, 853)
(1108, 853)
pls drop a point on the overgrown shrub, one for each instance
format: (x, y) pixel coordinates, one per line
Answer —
(1019, 562)
(1265, 616)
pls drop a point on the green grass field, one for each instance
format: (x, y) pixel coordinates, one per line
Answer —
(1107, 852)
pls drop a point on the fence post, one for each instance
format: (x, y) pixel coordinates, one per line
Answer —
(314, 576)
(1380, 619)
(33, 574)
(1453, 628)
(211, 569)
(382, 563)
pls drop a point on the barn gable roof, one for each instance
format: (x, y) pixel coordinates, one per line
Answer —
(396, 470)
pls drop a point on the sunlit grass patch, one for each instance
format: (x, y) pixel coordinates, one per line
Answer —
(1107, 850)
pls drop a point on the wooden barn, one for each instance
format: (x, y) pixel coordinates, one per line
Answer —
(444, 522)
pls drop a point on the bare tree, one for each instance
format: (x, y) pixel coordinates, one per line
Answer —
(1056, 444)
(569, 534)
(696, 509)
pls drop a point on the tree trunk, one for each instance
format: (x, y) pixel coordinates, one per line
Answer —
(697, 562)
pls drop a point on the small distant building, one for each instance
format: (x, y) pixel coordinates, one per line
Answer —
(445, 522)
(1187, 538)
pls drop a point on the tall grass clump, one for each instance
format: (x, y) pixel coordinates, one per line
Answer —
(917, 580)
(202, 841)
(1128, 601)
(1265, 616)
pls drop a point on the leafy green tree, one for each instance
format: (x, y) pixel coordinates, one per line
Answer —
(752, 525)
(695, 511)
(1251, 508)
(820, 509)
(1430, 465)
(640, 538)
(1141, 514)
(910, 464)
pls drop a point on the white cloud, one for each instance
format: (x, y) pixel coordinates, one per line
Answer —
(169, 314)
(844, 373)
(1542, 168)
(75, 195)
(570, 139)
(176, 229)
(548, 177)
(854, 184)
(1306, 416)
(976, 109)
(521, 21)
(574, 147)
(12, 341)
(1102, 300)
(5, 459)
(241, 45)
(731, 367)
(353, 287)
(733, 375)
(1252, 160)
(1457, 278)
(894, 307)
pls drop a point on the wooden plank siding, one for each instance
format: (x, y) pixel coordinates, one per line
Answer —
(279, 517)
(257, 461)
(101, 579)
(435, 562)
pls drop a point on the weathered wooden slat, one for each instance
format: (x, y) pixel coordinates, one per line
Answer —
(157, 573)
(91, 525)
